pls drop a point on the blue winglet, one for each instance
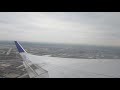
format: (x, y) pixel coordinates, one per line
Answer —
(19, 47)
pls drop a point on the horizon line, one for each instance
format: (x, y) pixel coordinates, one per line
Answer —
(57, 43)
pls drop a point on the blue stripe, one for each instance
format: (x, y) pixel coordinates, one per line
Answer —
(20, 49)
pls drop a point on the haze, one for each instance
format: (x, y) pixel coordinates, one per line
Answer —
(91, 28)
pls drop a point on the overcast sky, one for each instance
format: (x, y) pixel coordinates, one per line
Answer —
(94, 28)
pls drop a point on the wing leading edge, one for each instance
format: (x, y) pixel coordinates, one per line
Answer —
(34, 71)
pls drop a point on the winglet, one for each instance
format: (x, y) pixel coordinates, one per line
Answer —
(19, 47)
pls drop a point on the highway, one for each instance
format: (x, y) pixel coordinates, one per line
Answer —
(8, 52)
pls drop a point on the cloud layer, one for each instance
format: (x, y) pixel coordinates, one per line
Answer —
(94, 28)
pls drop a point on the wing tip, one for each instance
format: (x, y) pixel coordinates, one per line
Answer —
(19, 47)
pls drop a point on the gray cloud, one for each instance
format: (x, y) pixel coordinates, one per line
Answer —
(97, 28)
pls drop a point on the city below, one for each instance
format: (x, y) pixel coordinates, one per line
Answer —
(11, 65)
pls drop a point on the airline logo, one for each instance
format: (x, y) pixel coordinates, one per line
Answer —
(19, 47)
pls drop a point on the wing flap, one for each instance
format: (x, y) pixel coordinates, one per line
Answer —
(33, 70)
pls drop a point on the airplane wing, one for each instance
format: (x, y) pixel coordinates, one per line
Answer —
(54, 67)
(33, 70)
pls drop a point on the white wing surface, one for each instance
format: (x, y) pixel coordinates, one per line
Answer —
(54, 67)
